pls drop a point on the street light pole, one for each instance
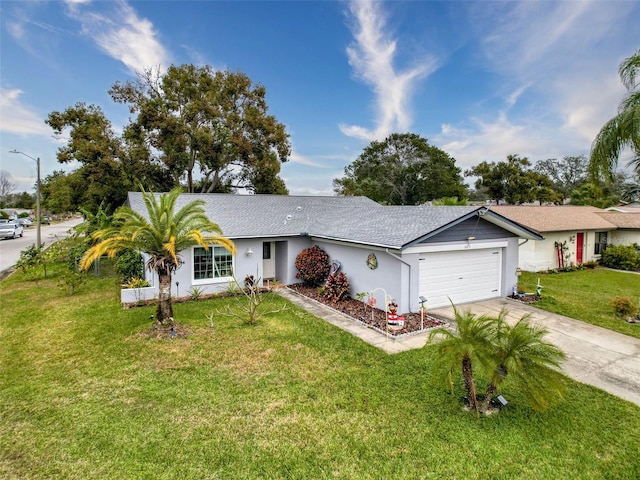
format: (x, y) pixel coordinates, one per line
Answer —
(37, 160)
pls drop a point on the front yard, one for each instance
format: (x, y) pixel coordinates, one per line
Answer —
(585, 295)
(86, 393)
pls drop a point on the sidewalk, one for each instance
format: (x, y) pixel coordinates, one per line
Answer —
(595, 356)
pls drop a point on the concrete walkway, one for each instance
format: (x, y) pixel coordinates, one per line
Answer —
(595, 356)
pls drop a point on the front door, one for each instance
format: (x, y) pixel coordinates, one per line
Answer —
(579, 247)
(268, 260)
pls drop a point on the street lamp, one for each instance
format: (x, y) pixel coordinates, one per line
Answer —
(37, 160)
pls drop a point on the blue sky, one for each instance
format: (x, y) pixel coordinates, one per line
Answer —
(480, 80)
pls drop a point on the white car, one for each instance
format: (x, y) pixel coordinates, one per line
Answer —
(10, 230)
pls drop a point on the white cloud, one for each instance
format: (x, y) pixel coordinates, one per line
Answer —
(555, 66)
(19, 118)
(296, 157)
(121, 34)
(372, 58)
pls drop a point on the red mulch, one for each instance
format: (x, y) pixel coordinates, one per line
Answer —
(373, 317)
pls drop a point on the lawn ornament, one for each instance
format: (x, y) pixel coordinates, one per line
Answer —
(392, 316)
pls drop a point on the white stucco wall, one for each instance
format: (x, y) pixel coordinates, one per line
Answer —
(541, 255)
(624, 237)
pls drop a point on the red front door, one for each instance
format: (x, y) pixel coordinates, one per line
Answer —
(579, 245)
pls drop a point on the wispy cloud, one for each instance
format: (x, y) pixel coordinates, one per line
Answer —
(121, 34)
(551, 54)
(296, 157)
(371, 56)
(19, 118)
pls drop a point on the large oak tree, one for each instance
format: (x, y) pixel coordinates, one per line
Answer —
(403, 169)
(210, 129)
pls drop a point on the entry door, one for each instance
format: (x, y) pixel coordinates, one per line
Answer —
(268, 260)
(579, 247)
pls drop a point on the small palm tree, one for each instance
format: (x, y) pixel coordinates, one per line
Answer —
(623, 130)
(520, 352)
(166, 233)
(469, 342)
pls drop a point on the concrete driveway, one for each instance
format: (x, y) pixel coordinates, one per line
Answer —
(595, 356)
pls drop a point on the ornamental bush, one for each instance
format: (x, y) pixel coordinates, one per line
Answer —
(337, 287)
(313, 266)
(624, 307)
(621, 257)
(129, 264)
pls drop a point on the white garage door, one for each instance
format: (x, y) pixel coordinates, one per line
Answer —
(462, 275)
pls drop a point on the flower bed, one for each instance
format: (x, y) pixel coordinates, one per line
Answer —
(373, 317)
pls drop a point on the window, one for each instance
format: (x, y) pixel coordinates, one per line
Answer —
(601, 243)
(214, 263)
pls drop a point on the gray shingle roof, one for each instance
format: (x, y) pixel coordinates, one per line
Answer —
(351, 219)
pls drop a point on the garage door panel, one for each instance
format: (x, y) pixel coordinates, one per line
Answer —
(464, 276)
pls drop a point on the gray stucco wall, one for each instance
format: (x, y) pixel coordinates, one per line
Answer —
(388, 276)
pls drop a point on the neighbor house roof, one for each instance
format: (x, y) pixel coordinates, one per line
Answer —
(622, 220)
(351, 219)
(556, 218)
(628, 208)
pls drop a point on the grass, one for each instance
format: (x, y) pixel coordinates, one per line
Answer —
(86, 393)
(585, 295)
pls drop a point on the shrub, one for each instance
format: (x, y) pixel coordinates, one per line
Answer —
(624, 307)
(195, 293)
(136, 282)
(313, 266)
(621, 257)
(129, 264)
(337, 287)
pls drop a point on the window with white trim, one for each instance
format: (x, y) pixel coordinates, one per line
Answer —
(601, 243)
(217, 262)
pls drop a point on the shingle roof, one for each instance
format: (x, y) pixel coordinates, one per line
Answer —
(622, 220)
(556, 218)
(352, 219)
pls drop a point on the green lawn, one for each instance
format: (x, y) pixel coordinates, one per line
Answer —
(85, 393)
(585, 295)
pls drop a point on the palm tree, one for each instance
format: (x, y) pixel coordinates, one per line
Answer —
(469, 342)
(162, 236)
(520, 352)
(621, 131)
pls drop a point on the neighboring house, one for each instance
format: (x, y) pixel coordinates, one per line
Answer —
(462, 253)
(627, 227)
(628, 208)
(584, 230)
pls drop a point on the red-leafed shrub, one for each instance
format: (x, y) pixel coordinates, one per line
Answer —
(337, 287)
(313, 266)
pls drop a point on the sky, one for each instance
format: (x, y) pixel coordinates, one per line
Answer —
(480, 80)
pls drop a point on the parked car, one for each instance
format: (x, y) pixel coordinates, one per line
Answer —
(11, 230)
(25, 222)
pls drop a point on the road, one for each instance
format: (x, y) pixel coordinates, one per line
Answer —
(10, 248)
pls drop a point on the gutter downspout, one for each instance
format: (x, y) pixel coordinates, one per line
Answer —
(525, 241)
(408, 265)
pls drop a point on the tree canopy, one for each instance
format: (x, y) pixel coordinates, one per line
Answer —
(206, 124)
(208, 129)
(513, 181)
(403, 169)
(567, 174)
(623, 130)
(108, 168)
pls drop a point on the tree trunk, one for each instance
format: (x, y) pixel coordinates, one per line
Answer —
(164, 311)
(469, 383)
(491, 389)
